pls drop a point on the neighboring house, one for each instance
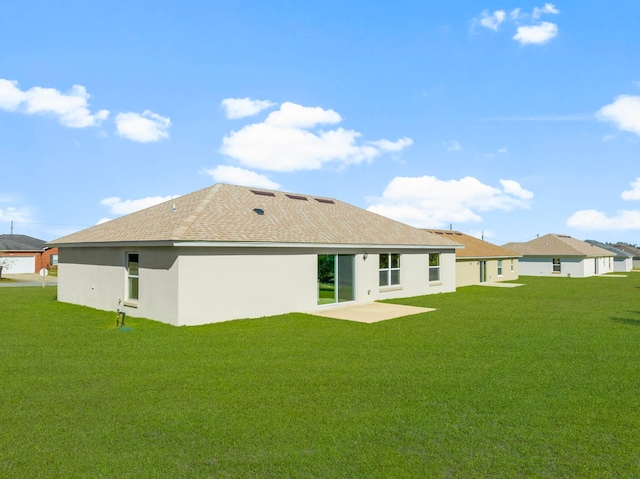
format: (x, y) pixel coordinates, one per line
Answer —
(626, 247)
(21, 254)
(228, 252)
(561, 255)
(622, 261)
(480, 261)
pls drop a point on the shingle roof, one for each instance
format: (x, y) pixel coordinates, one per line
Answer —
(557, 245)
(629, 249)
(20, 243)
(228, 213)
(619, 253)
(475, 247)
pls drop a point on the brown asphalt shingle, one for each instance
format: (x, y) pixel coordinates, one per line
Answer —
(557, 245)
(475, 247)
(226, 213)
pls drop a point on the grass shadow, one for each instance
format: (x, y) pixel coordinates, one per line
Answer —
(634, 322)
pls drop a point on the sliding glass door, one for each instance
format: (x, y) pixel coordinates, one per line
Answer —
(336, 278)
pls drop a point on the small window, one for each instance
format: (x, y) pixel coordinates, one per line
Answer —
(556, 265)
(132, 276)
(499, 267)
(512, 266)
(434, 267)
(54, 260)
(389, 269)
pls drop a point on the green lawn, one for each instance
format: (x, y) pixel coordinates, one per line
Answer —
(538, 381)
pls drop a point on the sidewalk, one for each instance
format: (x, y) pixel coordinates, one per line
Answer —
(30, 279)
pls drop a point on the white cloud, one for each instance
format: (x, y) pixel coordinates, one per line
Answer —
(118, 206)
(143, 128)
(536, 34)
(16, 214)
(429, 202)
(533, 34)
(512, 187)
(239, 176)
(243, 107)
(492, 21)
(634, 193)
(70, 108)
(289, 140)
(399, 145)
(548, 8)
(292, 115)
(452, 145)
(592, 220)
(624, 112)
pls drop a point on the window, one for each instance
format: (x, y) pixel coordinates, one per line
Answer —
(499, 267)
(132, 276)
(434, 267)
(389, 269)
(54, 260)
(512, 266)
(556, 265)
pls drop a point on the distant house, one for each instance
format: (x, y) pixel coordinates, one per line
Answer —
(228, 252)
(21, 254)
(632, 250)
(622, 260)
(561, 255)
(479, 261)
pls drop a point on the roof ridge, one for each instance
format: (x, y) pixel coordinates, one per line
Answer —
(189, 220)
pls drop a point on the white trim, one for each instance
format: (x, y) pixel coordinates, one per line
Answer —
(248, 244)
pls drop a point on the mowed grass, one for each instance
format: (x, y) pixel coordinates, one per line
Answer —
(537, 381)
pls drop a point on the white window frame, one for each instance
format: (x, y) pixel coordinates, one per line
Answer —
(499, 267)
(389, 269)
(435, 268)
(556, 265)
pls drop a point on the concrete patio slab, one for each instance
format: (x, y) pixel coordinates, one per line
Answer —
(371, 312)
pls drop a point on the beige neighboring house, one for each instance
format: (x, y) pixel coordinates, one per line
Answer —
(479, 261)
(562, 255)
(228, 252)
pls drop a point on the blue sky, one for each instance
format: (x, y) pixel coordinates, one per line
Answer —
(508, 118)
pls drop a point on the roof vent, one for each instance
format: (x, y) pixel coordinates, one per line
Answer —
(322, 200)
(297, 197)
(259, 211)
(262, 193)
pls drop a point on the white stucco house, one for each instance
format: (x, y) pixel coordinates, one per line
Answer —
(622, 260)
(635, 252)
(228, 252)
(479, 261)
(561, 255)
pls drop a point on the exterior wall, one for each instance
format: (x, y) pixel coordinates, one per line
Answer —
(569, 267)
(96, 277)
(414, 276)
(240, 283)
(623, 265)
(191, 286)
(636, 263)
(468, 271)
